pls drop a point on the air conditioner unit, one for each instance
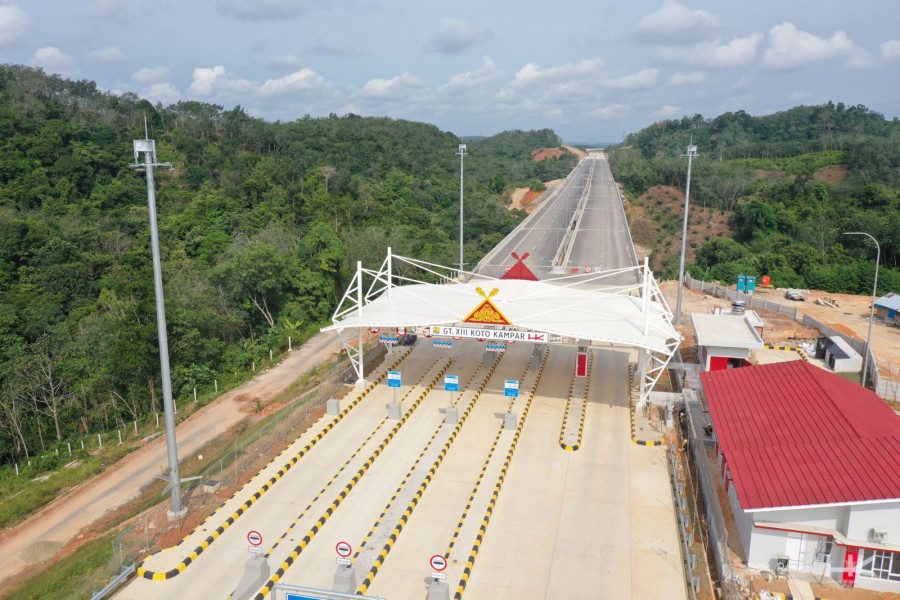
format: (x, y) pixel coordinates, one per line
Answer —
(876, 536)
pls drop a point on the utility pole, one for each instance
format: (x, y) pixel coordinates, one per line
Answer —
(147, 148)
(462, 154)
(691, 154)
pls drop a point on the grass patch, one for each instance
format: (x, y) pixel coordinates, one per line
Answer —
(75, 576)
(23, 496)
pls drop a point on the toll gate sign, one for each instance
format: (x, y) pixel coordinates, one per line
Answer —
(393, 379)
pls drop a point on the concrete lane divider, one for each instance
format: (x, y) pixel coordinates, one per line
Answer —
(192, 556)
(485, 521)
(342, 495)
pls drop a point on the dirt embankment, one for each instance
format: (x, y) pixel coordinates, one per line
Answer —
(523, 198)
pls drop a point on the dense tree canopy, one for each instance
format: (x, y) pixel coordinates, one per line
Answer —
(788, 221)
(260, 224)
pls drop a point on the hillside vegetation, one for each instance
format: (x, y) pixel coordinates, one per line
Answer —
(775, 178)
(260, 223)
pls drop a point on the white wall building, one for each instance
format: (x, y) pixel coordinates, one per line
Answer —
(811, 463)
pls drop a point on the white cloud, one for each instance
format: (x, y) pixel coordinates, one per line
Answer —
(109, 54)
(890, 50)
(304, 80)
(674, 22)
(149, 75)
(396, 87)
(455, 36)
(261, 10)
(736, 53)
(211, 81)
(790, 48)
(665, 111)
(635, 81)
(692, 78)
(13, 23)
(164, 92)
(476, 78)
(611, 112)
(53, 60)
(532, 74)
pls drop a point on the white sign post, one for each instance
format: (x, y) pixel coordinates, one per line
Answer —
(344, 550)
(438, 563)
(255, 538)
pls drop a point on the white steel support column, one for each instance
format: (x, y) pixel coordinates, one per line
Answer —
(360, 365)
(390, 274)
(645, 296)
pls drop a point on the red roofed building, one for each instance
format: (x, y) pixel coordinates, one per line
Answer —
(811, 463)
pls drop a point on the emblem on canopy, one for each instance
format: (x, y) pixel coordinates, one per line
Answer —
(487, 312)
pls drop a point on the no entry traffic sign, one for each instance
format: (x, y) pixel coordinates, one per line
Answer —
(438, 562)
(343, 549)
(254, 537)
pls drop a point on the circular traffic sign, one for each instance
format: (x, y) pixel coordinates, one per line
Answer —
(343, 549)
(479, 339)
(374, 329)
(438, 562)
(588, 269)
(401, 330)
(254, 537)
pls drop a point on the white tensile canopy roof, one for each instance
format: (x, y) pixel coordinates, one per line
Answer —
(577, 308)
(569, 312)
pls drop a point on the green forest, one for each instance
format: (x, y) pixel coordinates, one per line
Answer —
(260, 223)
(791, 184)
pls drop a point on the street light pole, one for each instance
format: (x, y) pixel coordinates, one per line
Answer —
(691, 154)
(147, 147)
(872, 309)
(462, 154)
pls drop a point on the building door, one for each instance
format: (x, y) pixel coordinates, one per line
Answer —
(795, 550)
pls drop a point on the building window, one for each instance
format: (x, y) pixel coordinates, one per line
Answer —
(880, 565)
(823, 550)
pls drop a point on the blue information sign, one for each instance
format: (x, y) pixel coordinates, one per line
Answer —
(389, 339)
(451, 383)
(299, 597)
(394, 379)
(511, 388)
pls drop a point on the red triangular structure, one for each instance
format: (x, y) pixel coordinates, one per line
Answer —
(519, 270)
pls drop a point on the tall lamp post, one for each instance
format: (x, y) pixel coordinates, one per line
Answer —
(872, 309)
(691, 154)
(148, 149)
(462, 154)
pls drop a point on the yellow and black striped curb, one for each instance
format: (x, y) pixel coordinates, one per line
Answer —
(634, 438)
(584, 405)
(339, 499)
(339, 471)
(796, 349)
(398, 528)
(186, 561)
(482, 529)
(475, 489)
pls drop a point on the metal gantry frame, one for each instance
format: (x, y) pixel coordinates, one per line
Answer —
(368, 285)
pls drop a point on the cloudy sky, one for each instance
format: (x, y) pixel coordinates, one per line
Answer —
(590, 70)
